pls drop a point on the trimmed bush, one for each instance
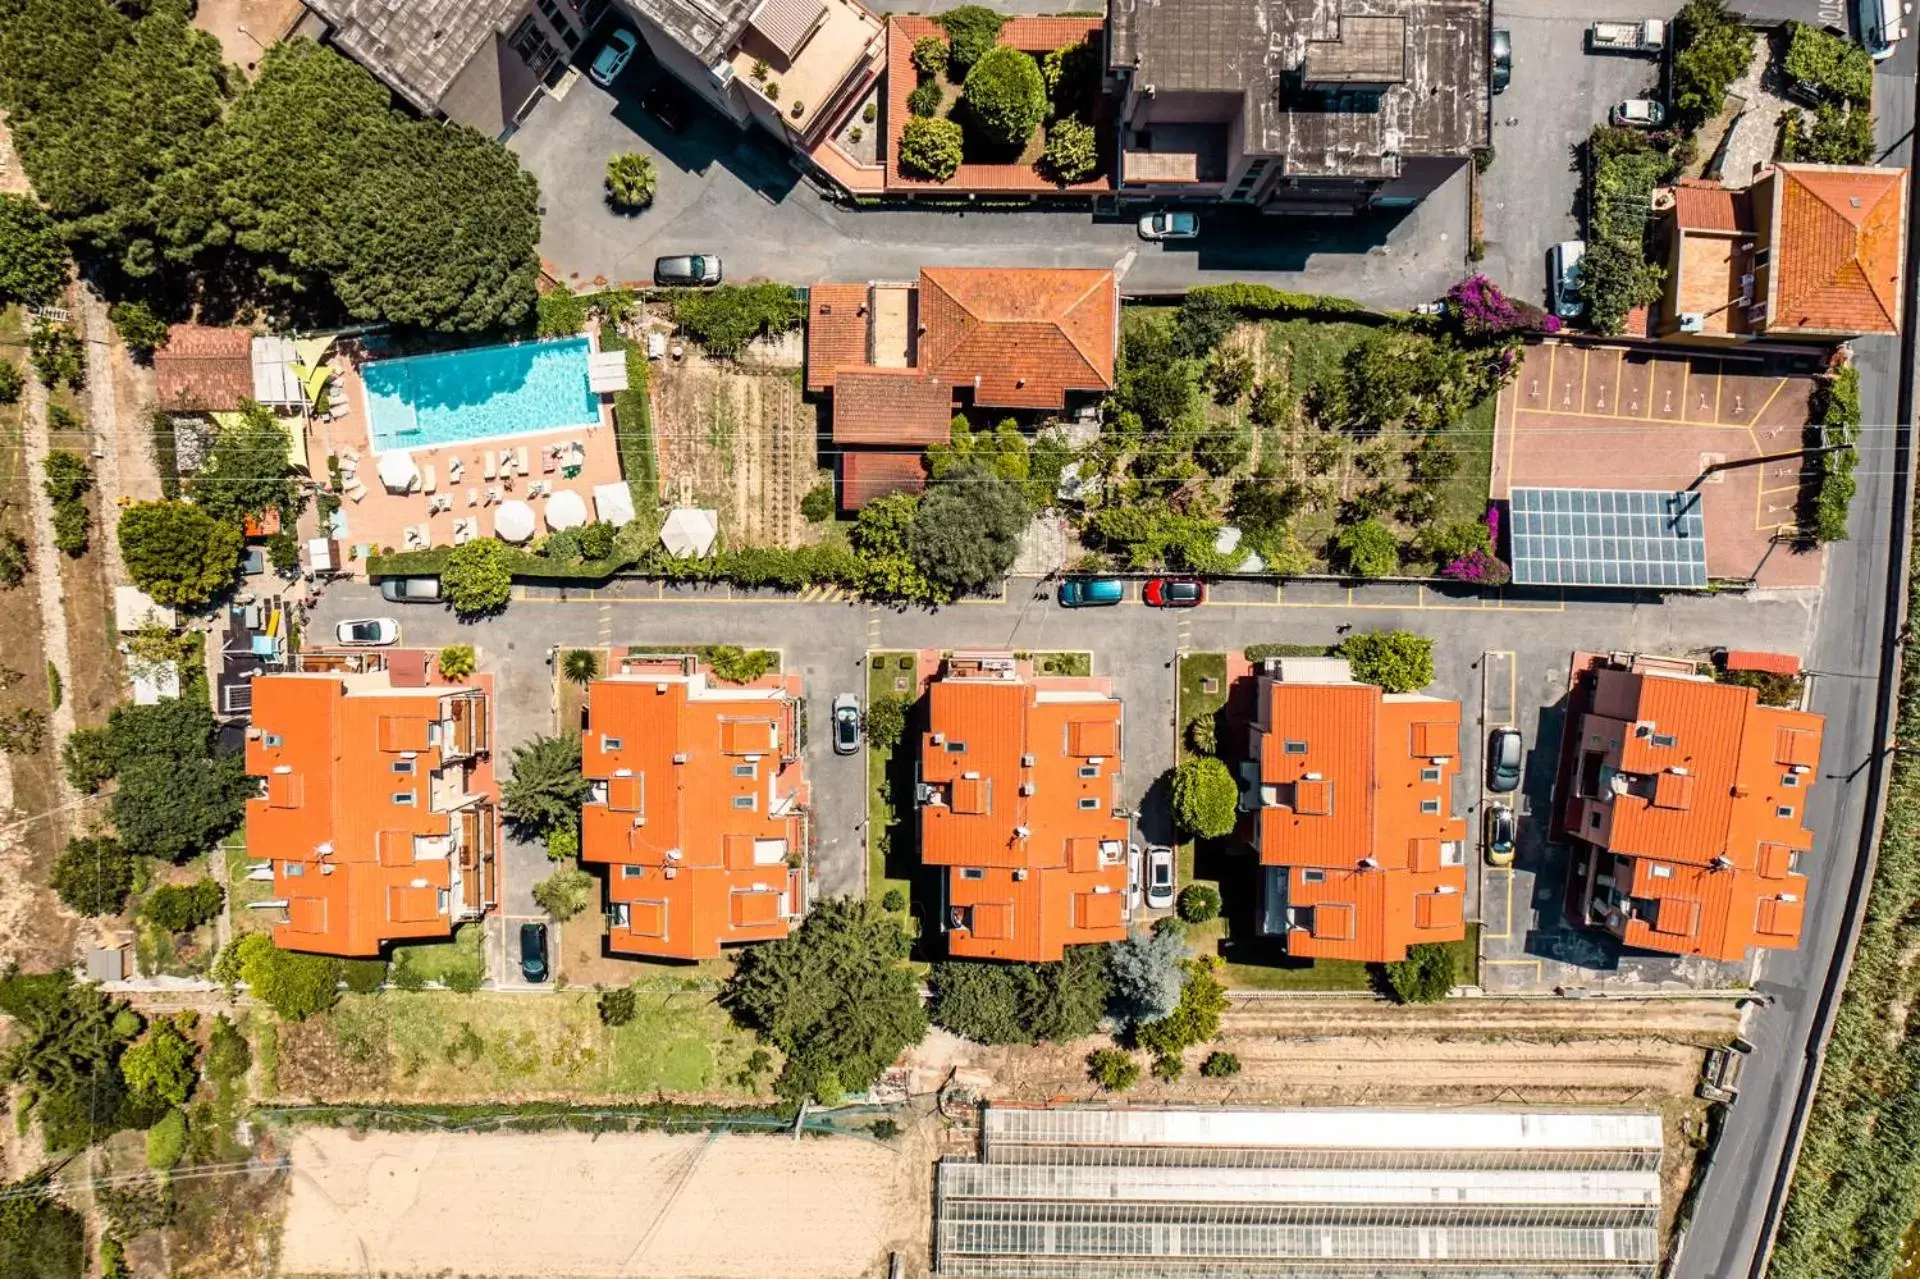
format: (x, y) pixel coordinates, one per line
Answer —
(1072, 153)
(893, 899)
(930, 56)
(1198, 903)
(1220, 1066)
(817, 506)
(1206, 799)
(1113, 1070)
(1423, 977)
(478, 578)
(931, 148)
(973, 29)
(1004, 96)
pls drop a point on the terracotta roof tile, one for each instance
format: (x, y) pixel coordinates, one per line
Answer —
(893, 407)
(1838, 237)
(836, 331)
(867, 474)
(204, 368)
(1021, 337)
(1708, 206)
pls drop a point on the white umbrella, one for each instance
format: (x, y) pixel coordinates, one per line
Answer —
(613, 503)
(398, 472)
(513, 522)
(690, 531)
(566, 509)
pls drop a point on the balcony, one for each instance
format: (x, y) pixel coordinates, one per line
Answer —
(812, 55)
(463, 725)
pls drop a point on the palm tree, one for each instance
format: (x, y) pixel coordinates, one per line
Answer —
(580, 665)
(631, 180)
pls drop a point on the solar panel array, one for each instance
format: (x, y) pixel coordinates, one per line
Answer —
(1608, 537)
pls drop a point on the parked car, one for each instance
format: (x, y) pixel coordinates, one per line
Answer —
(1563, 278)
(664, 103)
(1879, 27)
(695, 270)
(846, 724)
(410, 590)
(1174, 592)
(613, 57)
(1497, 828)
(1501, 74)
(533, 952)
(1504, 752)
(1640, 113)
(368, 632)
(1169, 226)
(1159, 877)
(1649, 35)
(1091, 592)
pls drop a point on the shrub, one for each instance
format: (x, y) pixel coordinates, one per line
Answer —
(1481, 310)
(998, 1003)
(1195, 1017)
(363, 976)
(1168, 1067)
(924, 101)
(1203, 735)
(617, 1007)
(22, 731)
(1220, 1066)
(1199, 903)
(631, 181)
(1834, 67)
(560, 313)
(563, 843)
(55, 352)
(68, 477)
(597, 539)
(1368, 549)
(1072, 76)
(1073, 151)
(456, 661)
(723, 320)
(33, 258)
(178, 554)
(1444, 542)
(1113, 1070)
(737, 665)
(931, 148)
(1713, 50)
(1397, 661)
(886, 721)
(565, 893)
(478, 577)
(161, 1063)
(93, 875)
(138, 327)
(293, 984)
(11, 383)
(1836, 412)
(1004, 96)
(1838, 135)
(88, 758)
(817, 506)
(580, 666)
(13, 558)
(1423, 977)
(167, 1141)
(973, 29)
(930, 56)
(179, 908)
(893, 899)
(283, 551)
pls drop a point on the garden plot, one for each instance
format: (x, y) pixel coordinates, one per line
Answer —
(739, 439)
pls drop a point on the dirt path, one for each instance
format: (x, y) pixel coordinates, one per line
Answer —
(104, 354)
(45, 580)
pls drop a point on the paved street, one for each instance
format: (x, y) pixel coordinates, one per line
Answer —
(737, 194)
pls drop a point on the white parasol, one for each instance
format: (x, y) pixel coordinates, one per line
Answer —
(513, 522)
(566, 509)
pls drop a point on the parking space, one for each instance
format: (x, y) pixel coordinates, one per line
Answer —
(1597, 416)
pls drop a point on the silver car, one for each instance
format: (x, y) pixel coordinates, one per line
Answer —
(1563, 278)
(690, 270)
(1169, 226)
(846, 724)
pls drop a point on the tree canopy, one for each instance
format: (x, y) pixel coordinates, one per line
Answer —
(1206, 799)
(1144, 973)
(174, 809)
(93, 875)
(1398, 661)
(1004, 96)
(478, 577)
(162, 1063)
(40, 1237)
(177, 553)
(1423, 977)
(293, 984)
(836, 996)
(967, 530)
(996, 1003)
(247, 469)
(33, 260)
(546, 788)
(67, 1052)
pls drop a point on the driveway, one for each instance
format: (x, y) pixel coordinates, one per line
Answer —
(737, 194)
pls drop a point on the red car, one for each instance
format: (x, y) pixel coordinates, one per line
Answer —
(1174, 592)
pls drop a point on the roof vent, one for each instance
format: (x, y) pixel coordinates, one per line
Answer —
(1026, 761)
(1020, 874)
(253, 733)
(1021, 832)
(283, 769)
(672, 873)
(1677, 771)
(680, 757)
(673, 854)
(826, 308)
(661, 687)
(969, 777)
(327, 868)
(623, 772)
(1854, 201)
(938, 739)
(323, 850)
(1368, 863)
(1313, 777)
(1026, 788)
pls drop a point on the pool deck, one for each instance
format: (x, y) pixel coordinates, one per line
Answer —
(379, 518)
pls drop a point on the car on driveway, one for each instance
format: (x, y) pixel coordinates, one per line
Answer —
(1174, 592)
(1504, 752)
(533, 953)
(367, 632)
(1501, 74)
(1497, 828)
(846, 724)
(613, 57)
(1563, 278)
(1091, 592)
(410, 590)
(691, 270)
(1159, 877)
(664, 103)
(1169, 226)
(1639, 113)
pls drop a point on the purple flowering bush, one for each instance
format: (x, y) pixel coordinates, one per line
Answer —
(1478, 567)
(1483, 311)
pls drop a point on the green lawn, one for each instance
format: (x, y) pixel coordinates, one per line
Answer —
(1464, 497)
(1195, 670)
(1078, 663)
(436, 961)
(241, 891)
(890, 860)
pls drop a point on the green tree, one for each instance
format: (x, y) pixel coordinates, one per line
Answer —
(562, 312)
(1144, 973)
(835, 995)
(1615, 277)
(87, 756)
(1397, 378)
(178, 554)
(1397, 661)
(175, 809)
(973, 29)
(546, 788)
(1112, 1069)
(924, 102)
(618, 1006)
(1713, 49)
(93, 875)
(65, 1053)
(40, 1237)
(931, 147)
(930, 56)
(1423, 977)
(247, 469)
(175, 729)
(1072, 75)
(56, 354)
(817, 506)
(1206, 799)
(179, 908)
(478, 577)
(881, 538)
(138, 327)
(68, 477)
(163, 1063)
(33, 259)
(167, 1140)
(1004, 96)
(456, 661)
(1838, 135)
(995, 1003)
(1198, 903)
(1368, 549)
(293, 984)
(631, 180)
(1195, 1017)
(886, 720)
(1220, 1066)
(967, 530)
(738, 665)
(565, 893)
(580, 666)
(1073, 151)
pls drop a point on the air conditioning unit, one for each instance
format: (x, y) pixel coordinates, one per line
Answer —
(1692, 322)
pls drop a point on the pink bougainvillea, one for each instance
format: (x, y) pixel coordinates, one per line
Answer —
(1482, 310)
(1477, 567)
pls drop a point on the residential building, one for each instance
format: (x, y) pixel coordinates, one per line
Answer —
(1806, 252)
(1019, 797)
(204, 368)
(1361, 852)
(900, 359)
(377, 811)
(698, 809)
(1685, 800)
(1298, 106)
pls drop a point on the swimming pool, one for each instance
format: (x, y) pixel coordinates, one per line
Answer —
(418, 401)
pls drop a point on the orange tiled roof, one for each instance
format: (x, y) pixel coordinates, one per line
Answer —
(379, 807)
(701, 801)
(868, 474)
(1026, 825)
(1356, 791)
(836, 332)
(203, 367)
(894, 407)
(1838, 235)
(1021, 337)
(1708, 206)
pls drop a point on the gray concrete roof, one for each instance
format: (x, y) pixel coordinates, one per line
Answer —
(417, 47)
(707, 28)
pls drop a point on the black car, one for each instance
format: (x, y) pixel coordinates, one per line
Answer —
(533, 953)
(1504, 751)
(665, 105)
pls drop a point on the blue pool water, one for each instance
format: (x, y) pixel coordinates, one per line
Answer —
(418, 401)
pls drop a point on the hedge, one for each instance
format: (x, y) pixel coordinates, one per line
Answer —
(1828, 66)
(633, 424)
(1837, 418)
(535, 1116)
(1263, 301)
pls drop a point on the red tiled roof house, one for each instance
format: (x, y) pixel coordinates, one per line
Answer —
(204, 368)
(900, 359)
(1020, 806)
(698, 808)
(1361, 852)
(377, 808)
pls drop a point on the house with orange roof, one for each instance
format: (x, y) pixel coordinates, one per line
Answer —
(1686, 801)
(378, 810)
(1361, 852)
(699, 807)
(899, 360)
(1807, 252)
(1019, 798)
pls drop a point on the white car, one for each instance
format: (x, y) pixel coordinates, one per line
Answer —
(1640, 113)
(1159, 877)
(1169, 226)
(368, 632)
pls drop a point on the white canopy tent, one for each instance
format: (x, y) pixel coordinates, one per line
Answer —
(690, 531)
(398, 471)
(613, 503)
(607, 372)
(566, 509)
(513, 522)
